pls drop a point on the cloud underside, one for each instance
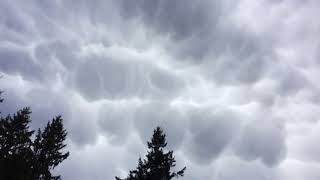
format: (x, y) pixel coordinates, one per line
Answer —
(234, 85)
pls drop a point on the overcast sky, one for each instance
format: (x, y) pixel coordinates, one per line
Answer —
(235, 84)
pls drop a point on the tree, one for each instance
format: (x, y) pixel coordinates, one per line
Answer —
(1, 100)
(16, 154)
(158, 164)
(47, 148)
(25, 157)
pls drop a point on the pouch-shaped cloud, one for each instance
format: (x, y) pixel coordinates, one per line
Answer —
(155, 114)
(264, 140)
(211, 132)
(114, 79)
(233, 84)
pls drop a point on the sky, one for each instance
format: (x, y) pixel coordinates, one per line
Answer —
(234, 84)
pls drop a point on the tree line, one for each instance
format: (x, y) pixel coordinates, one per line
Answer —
(27, 154)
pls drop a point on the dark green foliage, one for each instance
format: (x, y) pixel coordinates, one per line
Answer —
(24, 157)
(16, 156)
(48, 146)
(1, 100)
(158, 164)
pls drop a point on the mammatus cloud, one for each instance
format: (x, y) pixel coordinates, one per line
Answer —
(253, 140)
(234, 84)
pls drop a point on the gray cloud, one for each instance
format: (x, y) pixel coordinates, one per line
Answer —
(200, 32)
(112, 119)
(262, 140)
(211, 132)
(155, 114)
(233, 168)
(234, 84)
(178, 19)
(109, 78)
(15, 60)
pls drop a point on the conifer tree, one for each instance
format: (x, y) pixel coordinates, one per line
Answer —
(158, 164)
(16, 156)
(1, 100)
(48, 147)
(23, 157)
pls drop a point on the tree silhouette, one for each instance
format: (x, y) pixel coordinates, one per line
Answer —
(25, 157)
(158, 164)
(16, 154)
(47, 148)
(1, 100)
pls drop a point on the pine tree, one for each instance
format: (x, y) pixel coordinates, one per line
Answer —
(21, 158)
(1, 99)
(16, 145)
(158, 164)
(48, 147)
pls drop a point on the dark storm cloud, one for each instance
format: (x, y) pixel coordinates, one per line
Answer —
(233, 84)
(18, 61)
(262, 140)
(178, 19)
(62, 52)
(211, 132)
(245, 70)
(14, 26)
(200, 31)
(111, 79)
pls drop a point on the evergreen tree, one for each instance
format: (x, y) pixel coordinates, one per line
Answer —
(48, 147)
(23, 157)
(1, 100)
(158, 164)
(16, 154)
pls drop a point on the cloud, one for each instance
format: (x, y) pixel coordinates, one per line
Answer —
(168, 117)
(233, 84)
(114, 79)
(232, 168)
(211, 132)
(178, 19)
(262, 140)
(17, 60)
(113, 116)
